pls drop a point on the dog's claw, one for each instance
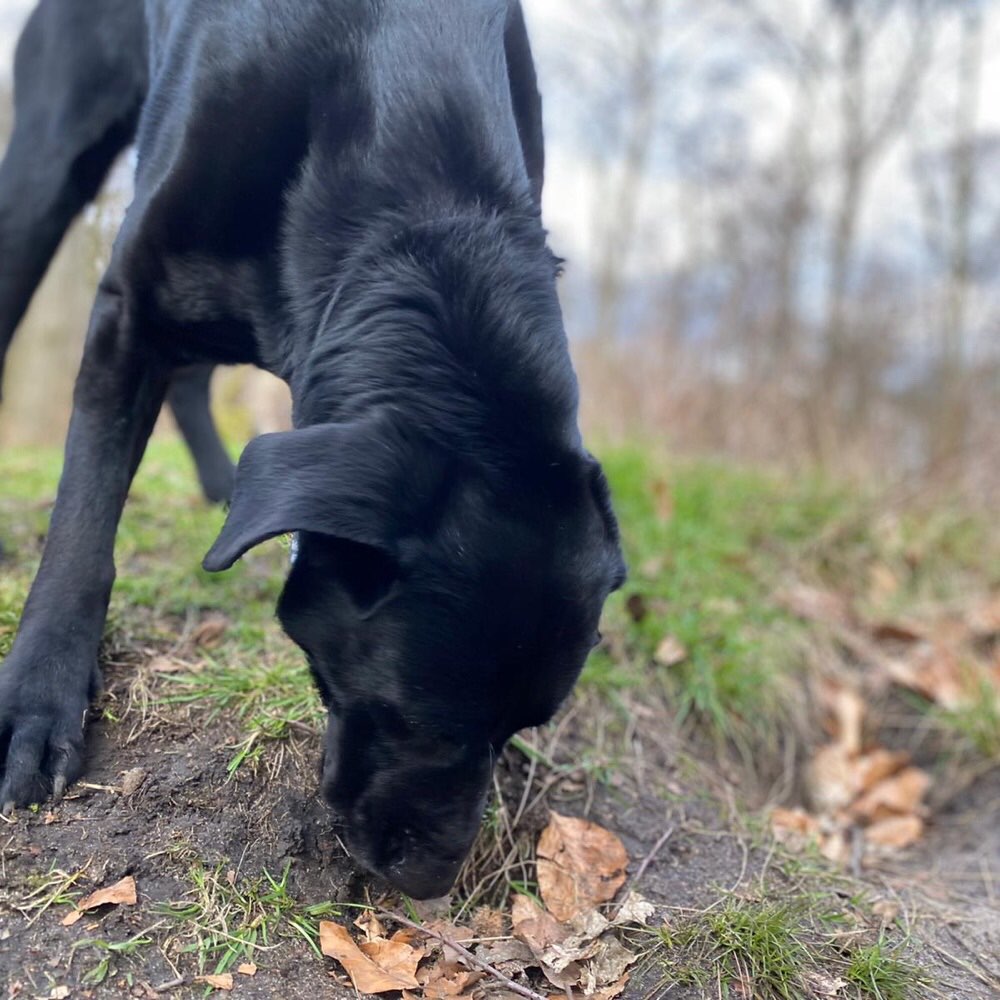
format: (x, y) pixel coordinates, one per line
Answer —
(8, 810)
(58, 787)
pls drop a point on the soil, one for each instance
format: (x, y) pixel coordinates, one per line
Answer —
(265, 817)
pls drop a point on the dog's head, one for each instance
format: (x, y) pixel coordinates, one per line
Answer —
(442, 607)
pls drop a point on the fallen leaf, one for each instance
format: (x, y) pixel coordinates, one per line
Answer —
(934, 671)
(59, 993)
(899, 795)
(166, 665)
(247, 969)
(984, 620)
(132, 781)
(670, 652)
(887, 911)
(209, 631)
(897, 831)
(377, 967)
(534, 926)
(832, 778)
(370, 926)
(815, 605)
(488, 922)
(847, 709)
(794, 828)
(224, 981)
(501, 953)
(459, 935)
(122, 893)
(608, 993)
(635, 909)
(878, 765)
(580, 865)
(882, 583)
(448, 980)
(824, 985)
(607, 965)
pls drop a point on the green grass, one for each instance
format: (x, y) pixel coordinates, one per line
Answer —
(783, 949)
(225, 919)
(708, 546)
(879, 971)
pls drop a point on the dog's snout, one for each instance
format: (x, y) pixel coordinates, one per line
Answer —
(421, 880)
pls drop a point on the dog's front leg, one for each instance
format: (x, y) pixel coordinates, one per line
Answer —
(51, 674)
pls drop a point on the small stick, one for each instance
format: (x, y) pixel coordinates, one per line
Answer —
(646, 862)
(468, 956)
(173, 984)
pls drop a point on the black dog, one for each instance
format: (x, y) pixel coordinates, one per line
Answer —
(345, 192)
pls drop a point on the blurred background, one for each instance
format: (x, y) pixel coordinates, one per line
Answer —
(782, 225)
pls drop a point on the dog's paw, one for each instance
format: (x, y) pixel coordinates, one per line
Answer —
(43, 705)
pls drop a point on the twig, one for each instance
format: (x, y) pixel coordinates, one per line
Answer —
(646, 862)
(173, 984)
(468, 956)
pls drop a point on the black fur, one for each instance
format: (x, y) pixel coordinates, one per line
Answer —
(347, 193)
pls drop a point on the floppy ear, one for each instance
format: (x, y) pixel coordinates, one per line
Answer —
(355, 481)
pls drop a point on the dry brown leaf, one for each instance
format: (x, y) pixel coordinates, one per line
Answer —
(166, 665)
(887, 910)
(670, 652)
(815, 605)
(635, 909)
(794, 828)
(448, 931)
(370, 926)
(883, 583)
(900, 795)
(847, 709)
(488, 922)
(209, 631)
(448, 980)
(608, 993)
(219, 982)
(376, 967)
(835, 847)
(122, 893)
(532, 925)
(934, 671)
(832, 778)
(132, 781)
(878, 765)
(580, 865)
(505, 953)
(984, 619)
(608, 964)
(896, 832)
(247, 969)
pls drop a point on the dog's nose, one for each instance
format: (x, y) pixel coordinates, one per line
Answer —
(424, 879)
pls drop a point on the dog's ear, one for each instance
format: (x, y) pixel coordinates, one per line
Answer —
(361, 481)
